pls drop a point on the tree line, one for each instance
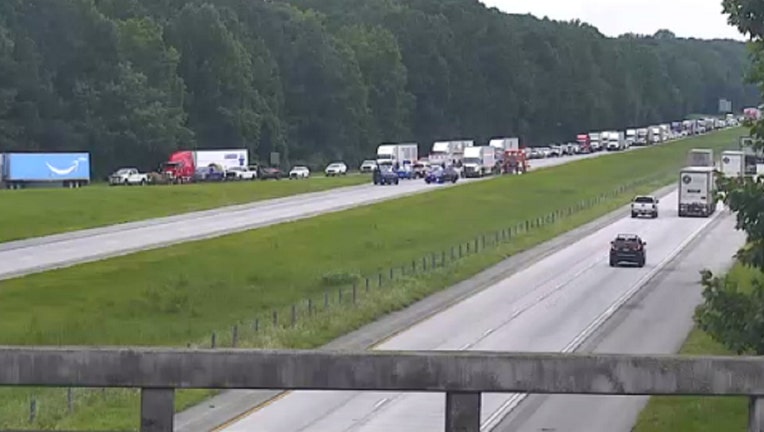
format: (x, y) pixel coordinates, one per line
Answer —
(133, 80)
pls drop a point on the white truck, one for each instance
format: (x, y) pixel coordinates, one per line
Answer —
(641, 139)
(733, 163)
(594, 141)
(128, 177)
(655, 135)
(614, 141)
(631, 137)
(697, 190)
(479, 161)
(665, 132)
(644, 205)
(700, 157)
(446, 152)
(504, 144)
(390, 154)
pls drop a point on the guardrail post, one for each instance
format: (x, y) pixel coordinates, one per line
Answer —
(756, 414)
(157, 409)
(462, 412)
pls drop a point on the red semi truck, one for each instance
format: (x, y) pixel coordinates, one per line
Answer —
(182, 165)
(585, 143)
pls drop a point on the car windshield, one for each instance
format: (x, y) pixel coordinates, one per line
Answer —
(335, 166)
(236, 168)
(124, 171)
(472, 160)
(644, 200)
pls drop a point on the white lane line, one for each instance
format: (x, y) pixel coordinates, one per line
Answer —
(510, 404)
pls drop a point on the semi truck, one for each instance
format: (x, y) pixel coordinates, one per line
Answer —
(614, 141)
(641, 139)
(733, 163)
(391, 154)
(700, 157)
(182, 165)
(479, 161)
(584, 143)
(654, 135)
(697, 190)
(594, 141)
(445, 152)
(631, 137)
(33, 170)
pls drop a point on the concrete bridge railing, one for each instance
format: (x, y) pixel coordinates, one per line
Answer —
(463, 376)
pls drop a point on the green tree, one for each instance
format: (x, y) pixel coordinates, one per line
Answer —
(729, 314)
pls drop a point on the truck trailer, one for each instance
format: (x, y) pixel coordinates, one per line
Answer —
(32, 170)
(182, 165)
(700, 157)
(733, 163)
(697, 190)
(479, 161)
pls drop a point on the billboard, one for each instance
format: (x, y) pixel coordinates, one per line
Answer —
(46, 166)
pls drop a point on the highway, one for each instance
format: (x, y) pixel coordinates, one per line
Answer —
(655, 322)
(61, 250)
(553, 305)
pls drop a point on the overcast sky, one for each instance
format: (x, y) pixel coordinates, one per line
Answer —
(686, 18)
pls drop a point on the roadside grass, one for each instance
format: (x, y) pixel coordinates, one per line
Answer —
(181, 294)
(700, 414)
(38, 212)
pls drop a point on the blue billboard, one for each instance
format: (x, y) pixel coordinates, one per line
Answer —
(49, 167)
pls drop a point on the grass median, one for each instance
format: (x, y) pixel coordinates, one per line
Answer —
(38, 212)
(700, 414)
(181, 294)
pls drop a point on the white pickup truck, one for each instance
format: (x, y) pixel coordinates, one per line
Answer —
(128, 176)
(644, 205)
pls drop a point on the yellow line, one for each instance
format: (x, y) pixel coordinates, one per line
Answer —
(252, 411)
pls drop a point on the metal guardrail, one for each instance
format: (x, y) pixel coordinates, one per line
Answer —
(463, 376)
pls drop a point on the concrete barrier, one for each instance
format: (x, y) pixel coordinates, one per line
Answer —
(463, 376)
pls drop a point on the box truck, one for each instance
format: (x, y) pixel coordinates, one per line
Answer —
(479, 161)
(391, 154)
(700, 157)
(733, 163)
(446, 152)
(27, 170)
(697, 188)
(182, 165)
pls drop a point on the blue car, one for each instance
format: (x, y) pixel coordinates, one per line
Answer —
(441, 175)
(405, 172)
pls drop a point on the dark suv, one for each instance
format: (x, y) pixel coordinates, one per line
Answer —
(628, 248)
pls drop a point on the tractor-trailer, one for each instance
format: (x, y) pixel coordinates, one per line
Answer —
(182, 165)
(700, 157)
(697, 190)
(733, 163)
(28, 170)
(479, 161)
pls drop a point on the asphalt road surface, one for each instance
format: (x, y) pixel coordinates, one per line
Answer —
(655, 322)
(553, 305)
(44, 253)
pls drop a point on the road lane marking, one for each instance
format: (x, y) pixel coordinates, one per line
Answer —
(510, 404)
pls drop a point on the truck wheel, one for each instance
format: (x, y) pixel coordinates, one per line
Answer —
(633, 215)
(613, 262)
(641, 262)
(143, 182)
(655, 215)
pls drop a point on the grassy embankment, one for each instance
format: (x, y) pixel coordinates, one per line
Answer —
(700, 414)
(181, 294)
(38, 212)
